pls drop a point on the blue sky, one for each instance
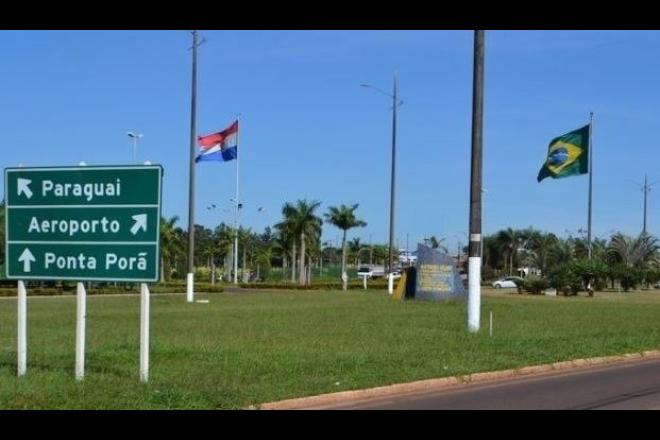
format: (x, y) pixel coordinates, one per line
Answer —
(309, 131)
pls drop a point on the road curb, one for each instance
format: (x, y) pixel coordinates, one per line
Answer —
(449, 382)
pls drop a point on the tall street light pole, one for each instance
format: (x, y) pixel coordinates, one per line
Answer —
(237, 209)
(646, 191)
(395, 105)
(474, 261)
(646, 188)
(395, 101)
(135, 137)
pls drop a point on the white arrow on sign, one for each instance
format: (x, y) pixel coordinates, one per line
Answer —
(24, 188)
(140, 223)
(26, 258)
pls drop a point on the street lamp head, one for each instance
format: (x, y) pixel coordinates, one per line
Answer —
(134, 135)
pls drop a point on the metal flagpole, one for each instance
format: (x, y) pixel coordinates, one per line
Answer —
(591, 123)
(236, 205)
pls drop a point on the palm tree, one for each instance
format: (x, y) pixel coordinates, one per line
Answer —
(246, 240)
(381, 252)
(170, 244)
(224, 244)
(287, 236)
(301, 222)
(640, 252)
(308, 227)
(509, 240)
(436, 243)
(344, 218)
(542, 245)
(354, 248)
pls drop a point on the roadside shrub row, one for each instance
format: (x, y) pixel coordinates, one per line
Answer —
(36, 290)
(331, 285)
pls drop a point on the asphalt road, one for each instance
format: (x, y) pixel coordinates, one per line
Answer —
(629, 385)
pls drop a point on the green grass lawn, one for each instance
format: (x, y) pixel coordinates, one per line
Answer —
(329, 273)
(253, 347)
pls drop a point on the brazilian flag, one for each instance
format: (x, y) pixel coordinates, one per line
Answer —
(568, 155)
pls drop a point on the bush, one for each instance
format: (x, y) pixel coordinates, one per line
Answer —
(594, 271)
(565, 280)
(535, 285)
(630, 279)
(488, 273)
(203, 273)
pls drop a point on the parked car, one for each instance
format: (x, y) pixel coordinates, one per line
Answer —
(407, 257)
(371, 271)
(365, 271)
(507, 283)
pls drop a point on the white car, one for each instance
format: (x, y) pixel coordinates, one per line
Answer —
(365, 272)
(407, 257)
(371, 271)
(506, 283)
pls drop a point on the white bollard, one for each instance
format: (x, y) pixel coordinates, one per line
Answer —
(189, 287)
(491, 324)
(144, 333)
(390, 283)
(81, 314)
(22, 329)
(364, 282)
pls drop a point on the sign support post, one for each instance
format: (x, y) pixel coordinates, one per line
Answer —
(81, 313)
(22, 329)
(83, 224)
(144, 333)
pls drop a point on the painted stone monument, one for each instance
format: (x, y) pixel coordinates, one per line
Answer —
(434, 277)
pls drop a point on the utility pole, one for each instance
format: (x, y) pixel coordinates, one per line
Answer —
(474, 261)
(191, 184)
(591, 156)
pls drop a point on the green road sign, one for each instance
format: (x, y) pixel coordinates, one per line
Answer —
(83, 223)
